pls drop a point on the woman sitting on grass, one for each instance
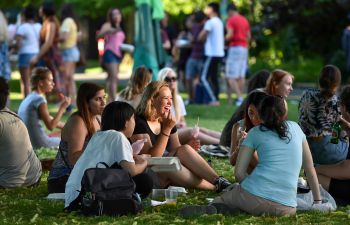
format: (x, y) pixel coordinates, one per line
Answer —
(34, 108)
(271, 189)
(335, 178)
(132, 94)
(76, 134)
(111, 145)
(178, 110)
(242, 127)
(156, 124)
(319, 110)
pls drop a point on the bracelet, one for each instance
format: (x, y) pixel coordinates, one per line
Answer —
(317, 200)
(165, 134)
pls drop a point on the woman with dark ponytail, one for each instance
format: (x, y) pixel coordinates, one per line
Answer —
(319, 110)
(271, 189)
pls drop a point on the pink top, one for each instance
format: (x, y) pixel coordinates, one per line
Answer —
(113, 42)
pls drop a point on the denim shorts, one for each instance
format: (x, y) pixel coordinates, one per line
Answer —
(24, 59)
(110, 57)
(70, 54)
(193, 68)
(236, 62)
(324, 152)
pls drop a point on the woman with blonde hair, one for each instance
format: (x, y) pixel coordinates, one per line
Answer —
(205, 136)
(156, 124)
(138, 81)
(34, 108)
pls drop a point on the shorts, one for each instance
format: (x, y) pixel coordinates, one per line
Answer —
(24, 59)
(110, 57)
(70, 54)
(323, 152)
(236, 62)
(237, 199)
(193, 68)
(339, 189)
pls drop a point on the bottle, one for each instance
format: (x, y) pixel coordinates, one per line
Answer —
(336, 129)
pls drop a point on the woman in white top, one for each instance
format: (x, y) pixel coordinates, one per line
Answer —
(111, 145)
(27, 41)
(34, 108)
(186, 134)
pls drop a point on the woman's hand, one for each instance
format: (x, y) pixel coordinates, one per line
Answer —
(65, 101)
(33, 61)
(168, 122)
(344, 124)
(195, 144)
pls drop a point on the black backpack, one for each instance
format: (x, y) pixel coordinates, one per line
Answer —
(107, 191)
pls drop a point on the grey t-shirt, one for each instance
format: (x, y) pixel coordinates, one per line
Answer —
(19, 166)
(29, 113)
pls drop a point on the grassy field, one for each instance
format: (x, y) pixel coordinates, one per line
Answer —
(30, 206)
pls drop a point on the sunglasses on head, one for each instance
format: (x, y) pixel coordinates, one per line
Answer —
(170, 79)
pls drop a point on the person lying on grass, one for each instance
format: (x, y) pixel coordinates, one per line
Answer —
(271, 189)
(111, 145)
(76, 134)
(155, 123)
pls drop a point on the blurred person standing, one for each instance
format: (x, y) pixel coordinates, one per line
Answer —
(69, 50)
(49, 54)
(5, 70)
(27, 44)
(114, 36)
(195, 62)
(213, 34)
(238, 35)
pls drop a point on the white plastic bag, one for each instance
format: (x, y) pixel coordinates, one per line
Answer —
(305, 201)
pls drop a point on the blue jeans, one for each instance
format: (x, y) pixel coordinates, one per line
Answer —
(324, 152)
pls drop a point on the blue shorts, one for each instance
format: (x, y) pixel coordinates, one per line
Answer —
(324, 152)
(236, 62)
(24, 59)
(193, 68)
(70, 54)
(110, 57)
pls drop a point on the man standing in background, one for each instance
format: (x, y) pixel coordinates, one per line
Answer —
(213, 34)
(238, 36)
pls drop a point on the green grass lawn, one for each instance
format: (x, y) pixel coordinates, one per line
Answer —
(29, 206)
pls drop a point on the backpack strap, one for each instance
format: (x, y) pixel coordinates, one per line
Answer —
(103, 163)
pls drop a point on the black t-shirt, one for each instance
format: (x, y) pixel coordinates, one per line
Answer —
(142, 127)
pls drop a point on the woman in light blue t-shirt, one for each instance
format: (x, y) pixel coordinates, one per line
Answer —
(272, 186)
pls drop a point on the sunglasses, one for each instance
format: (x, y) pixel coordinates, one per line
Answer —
(170, 79)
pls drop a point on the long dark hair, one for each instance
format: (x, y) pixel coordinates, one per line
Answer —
(115, 115)
(254, 98)
(86, 92)
(272, 111)
(330, 78)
